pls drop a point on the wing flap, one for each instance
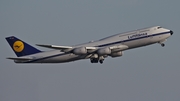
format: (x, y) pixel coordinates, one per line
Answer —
(91, 48)
(55, 46)
(65, 48)
(119, 48)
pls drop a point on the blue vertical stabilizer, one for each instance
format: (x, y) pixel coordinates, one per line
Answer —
(20, 47)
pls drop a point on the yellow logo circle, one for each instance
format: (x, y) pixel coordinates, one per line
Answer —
(18, 46)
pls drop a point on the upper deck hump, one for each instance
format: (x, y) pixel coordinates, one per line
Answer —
(130, 32)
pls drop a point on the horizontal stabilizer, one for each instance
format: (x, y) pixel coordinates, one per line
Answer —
(20, 58)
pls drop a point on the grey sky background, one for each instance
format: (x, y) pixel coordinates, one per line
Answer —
(144, 74)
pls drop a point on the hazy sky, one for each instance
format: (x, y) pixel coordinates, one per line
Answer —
(145, 74)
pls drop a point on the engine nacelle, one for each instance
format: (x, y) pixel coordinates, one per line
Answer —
(116, 54)
(104, 51)
(80, 51)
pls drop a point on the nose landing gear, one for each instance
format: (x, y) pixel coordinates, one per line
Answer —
(162, 44)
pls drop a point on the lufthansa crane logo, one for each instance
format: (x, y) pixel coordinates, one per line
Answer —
(18, 46)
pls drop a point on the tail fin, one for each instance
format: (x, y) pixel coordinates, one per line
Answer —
(20, 47)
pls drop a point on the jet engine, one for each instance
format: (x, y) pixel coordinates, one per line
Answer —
(104, 51)
(80, 51)
(116, 54)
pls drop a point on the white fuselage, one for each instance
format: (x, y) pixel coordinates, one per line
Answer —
(133, 39)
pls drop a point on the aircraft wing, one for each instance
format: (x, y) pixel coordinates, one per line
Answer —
(69, 48)
(19, 58)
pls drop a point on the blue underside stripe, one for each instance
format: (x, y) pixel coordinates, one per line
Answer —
(118, 42)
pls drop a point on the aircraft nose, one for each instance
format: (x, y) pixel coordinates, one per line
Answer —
(171, 32)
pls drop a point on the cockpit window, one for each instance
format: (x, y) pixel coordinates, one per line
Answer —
(159, 27)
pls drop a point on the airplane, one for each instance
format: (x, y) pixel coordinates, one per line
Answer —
(112, 46)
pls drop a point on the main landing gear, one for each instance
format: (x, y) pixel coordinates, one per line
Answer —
(101, 61)
(96, 60)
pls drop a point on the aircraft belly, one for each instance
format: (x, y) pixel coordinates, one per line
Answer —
(138, 43)
(158, 38)
(61, 58)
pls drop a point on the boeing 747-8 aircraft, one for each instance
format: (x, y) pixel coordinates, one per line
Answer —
(96, 51)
